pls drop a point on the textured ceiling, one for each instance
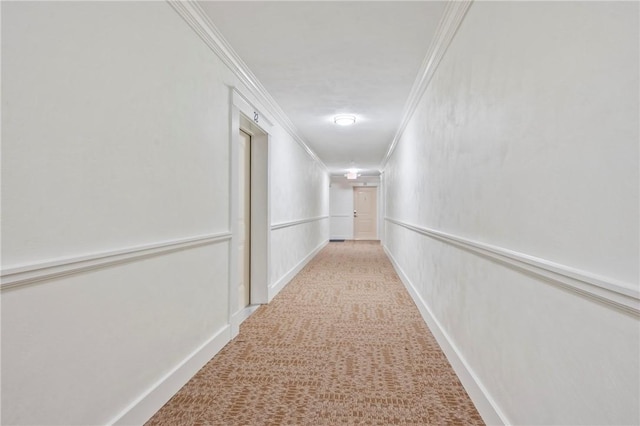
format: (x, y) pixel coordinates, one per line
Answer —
(319, 59)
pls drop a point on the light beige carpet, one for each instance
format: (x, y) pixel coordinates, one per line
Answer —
(343, 343)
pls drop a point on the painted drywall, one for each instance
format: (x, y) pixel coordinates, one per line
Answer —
(77, 350)
(105, 121)
(299, 185)
(299, 192)
(527, 139)
(341, 196)
(115, 132)
(286, 247)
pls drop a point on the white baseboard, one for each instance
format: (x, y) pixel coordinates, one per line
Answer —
(486, 406)
(239, 317)
(157, 395)
(274, 289)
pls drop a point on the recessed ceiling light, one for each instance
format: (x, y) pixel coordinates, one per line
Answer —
(344, 120)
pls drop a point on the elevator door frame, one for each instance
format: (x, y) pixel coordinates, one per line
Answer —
(247, 117)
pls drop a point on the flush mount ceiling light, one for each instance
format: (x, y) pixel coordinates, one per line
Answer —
(344, 120)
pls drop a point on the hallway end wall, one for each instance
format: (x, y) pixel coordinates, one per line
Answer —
(524, 151)
(341, 210)
(342, 205)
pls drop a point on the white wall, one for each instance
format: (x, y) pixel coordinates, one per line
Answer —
(299, 209)
(525, 144)
(116, 152)
(341, 196)
(98, 129)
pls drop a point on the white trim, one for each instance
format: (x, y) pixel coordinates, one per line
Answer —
(449, 24)
(234, 135)
(296, 222)
(246, 107)
(198, 20)
(240, 110)
(144, 407)
(239, 317)
(276, 287)
(29, 274)
(608, 290)
(342, 215)
(485, 404)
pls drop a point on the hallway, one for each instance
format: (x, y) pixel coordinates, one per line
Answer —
(490, 147)
(343, 343)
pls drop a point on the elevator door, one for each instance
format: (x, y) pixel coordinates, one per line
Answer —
(244, 220)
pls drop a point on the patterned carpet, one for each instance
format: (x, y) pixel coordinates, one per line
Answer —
(343, 343)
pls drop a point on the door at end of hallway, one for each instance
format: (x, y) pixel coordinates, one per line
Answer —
(365, 213)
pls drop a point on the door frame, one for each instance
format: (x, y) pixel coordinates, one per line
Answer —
(249, 118)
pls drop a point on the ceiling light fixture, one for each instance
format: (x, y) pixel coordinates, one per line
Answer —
(344, 120)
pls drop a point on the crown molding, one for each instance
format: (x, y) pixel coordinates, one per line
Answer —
(447, 28)
(198, 20)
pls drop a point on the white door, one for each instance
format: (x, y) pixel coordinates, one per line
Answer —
(244, 220)
(365, 221)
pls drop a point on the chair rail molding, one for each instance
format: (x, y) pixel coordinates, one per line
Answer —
(296, 222)
(37, 272)
(612, 292)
